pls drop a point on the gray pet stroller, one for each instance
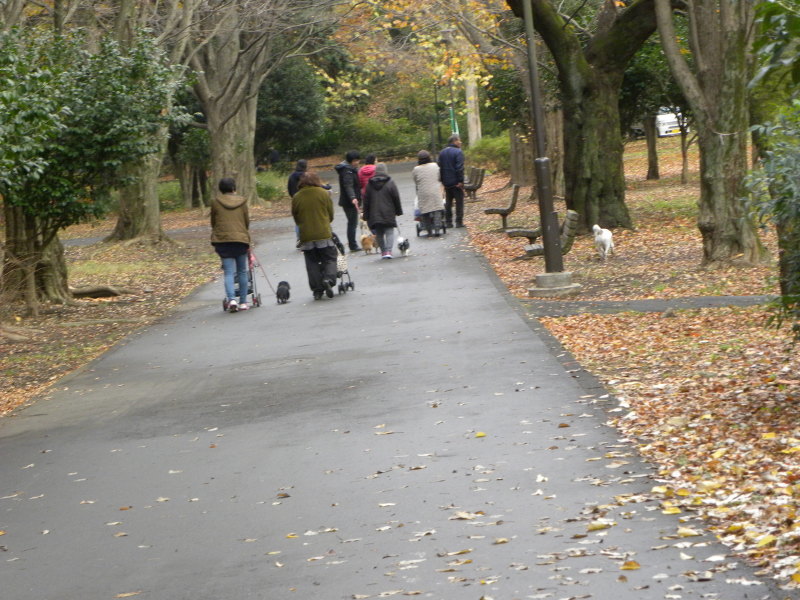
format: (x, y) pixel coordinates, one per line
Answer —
(342, 274)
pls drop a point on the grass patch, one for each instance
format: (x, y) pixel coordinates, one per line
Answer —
(94, 268)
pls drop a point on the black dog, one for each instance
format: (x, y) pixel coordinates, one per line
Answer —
(283, 292)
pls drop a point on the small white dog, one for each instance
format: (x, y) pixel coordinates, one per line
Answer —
(603, 241)
(403, 245)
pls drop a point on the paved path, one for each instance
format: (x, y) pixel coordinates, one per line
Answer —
(417, 436)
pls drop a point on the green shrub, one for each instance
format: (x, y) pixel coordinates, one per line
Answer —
(491, 152)
(385, 138)
(169, 195)
(270, 185)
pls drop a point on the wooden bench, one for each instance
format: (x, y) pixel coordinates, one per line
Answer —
(474, 183)
(469, 175)
(507, 210)
(568, 229)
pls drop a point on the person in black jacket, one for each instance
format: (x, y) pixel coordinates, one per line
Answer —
(451, 167)
(350, 195)
(294, 179)
(382, 207)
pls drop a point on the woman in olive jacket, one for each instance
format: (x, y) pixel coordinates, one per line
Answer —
(230, 236)
(312, 210)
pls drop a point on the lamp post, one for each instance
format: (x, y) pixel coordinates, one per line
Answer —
(555, 282)
(447, 39)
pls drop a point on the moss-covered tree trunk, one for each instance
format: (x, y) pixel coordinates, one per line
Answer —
(52, 280)
(31, 273)
(139, 215)
(728, 230)
(720, 39)
(232, 142)
(593, 168)
(589, 77)
(789, 256)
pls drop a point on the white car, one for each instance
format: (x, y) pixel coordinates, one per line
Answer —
(667, 124)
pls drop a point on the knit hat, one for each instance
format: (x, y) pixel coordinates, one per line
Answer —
(380, 169)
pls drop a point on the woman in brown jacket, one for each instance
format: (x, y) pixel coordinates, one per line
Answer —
(230, 236)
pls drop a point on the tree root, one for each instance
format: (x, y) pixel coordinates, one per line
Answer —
(17, 334)
(100, 291)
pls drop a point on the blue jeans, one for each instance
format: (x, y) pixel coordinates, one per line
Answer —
(236, 268)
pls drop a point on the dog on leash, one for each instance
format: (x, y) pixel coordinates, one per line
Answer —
(368, 241)
(603, 241)
(403, 245)
(282, 293)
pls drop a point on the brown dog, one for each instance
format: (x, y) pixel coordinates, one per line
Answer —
(368, 243)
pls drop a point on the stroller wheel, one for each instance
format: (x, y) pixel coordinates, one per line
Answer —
(418, 229)
(225, 305)
(257, 300)
(351, 285)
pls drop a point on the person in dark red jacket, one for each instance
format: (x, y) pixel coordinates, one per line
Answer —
(451, 167)
(366, 172)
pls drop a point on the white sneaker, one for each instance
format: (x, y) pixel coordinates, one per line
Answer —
(243, 306)
(233, 306)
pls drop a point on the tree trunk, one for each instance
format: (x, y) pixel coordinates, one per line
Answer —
(184, 173)
(728, 230)
(232, 147)
(51, 274)
(473, 109)
(788, 231)
(32, 273)
(589, 79)
(651, 138)
(522, 156)
(684, 157)
(13, 276)
(593, 169)
(717, 92)
(554, 123)
(139, 210)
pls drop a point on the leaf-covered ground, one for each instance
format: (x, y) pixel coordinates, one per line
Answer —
(711, 396)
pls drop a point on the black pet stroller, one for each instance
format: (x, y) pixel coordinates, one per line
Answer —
(342, 274)
(252, 291)
(430, 223)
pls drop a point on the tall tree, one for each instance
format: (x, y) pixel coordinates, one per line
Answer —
(720, 38)
(167, 23)
(234, 46)
(139, 214)
(590, 70)
(71, 120)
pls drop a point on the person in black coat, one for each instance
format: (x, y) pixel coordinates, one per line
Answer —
(382, 207)
(451, 167)
(294, 179)
(350, 195)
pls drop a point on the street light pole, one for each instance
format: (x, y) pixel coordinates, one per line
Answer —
(553, 260)
(555, 282)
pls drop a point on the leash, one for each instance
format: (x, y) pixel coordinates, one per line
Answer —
(257, 263)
